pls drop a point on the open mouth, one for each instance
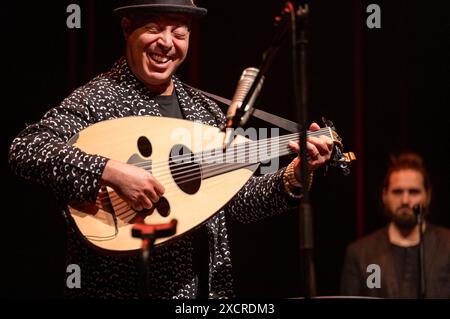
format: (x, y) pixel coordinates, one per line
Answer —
(159, 58)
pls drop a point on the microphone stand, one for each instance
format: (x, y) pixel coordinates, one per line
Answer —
(299, 63)
(418, 210)
(149, 233)
(241, 116)
(289, 14)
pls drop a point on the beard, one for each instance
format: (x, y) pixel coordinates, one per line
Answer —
(403, 218)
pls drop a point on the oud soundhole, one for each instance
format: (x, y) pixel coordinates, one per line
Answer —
(163, 207)
(144, 146)
(185, 171)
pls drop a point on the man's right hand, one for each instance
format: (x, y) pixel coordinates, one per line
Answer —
(134, 185)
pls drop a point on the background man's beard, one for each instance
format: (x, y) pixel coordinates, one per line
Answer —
(404, 220)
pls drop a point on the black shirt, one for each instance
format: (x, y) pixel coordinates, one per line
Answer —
(168, 105)
(406, 261)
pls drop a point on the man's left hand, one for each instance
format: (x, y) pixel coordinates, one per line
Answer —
(319, 150)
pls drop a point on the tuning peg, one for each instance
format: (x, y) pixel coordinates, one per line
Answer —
(349, 157)
(328, 123)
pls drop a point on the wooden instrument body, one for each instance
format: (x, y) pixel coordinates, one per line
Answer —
(108, 225)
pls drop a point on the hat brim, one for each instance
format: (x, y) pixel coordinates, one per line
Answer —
(149, 8)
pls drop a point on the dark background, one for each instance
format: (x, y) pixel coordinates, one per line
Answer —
(385, 90)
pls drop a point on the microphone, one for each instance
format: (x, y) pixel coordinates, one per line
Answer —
(243, 87)
(418, 211)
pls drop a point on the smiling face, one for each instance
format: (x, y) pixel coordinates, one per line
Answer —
(156, 47)
(405, 190)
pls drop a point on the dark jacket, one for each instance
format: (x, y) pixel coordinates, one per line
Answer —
(376, 249)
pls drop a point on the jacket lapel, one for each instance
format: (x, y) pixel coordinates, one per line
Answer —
(186, 104)
(389, 273)
(431, 244)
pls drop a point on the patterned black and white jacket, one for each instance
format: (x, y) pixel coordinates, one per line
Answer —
(40, 153)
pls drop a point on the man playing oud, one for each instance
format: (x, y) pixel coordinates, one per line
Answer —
(143, 83)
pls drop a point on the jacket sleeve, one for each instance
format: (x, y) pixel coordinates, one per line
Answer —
(40, 153)
(261, 197)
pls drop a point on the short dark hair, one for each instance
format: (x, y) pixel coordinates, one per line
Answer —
(407, 160)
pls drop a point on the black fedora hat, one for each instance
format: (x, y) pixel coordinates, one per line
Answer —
(149, 6)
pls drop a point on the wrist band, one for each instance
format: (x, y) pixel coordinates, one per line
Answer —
(291, 184)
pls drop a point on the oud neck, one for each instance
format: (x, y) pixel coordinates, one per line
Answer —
(260, 150)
